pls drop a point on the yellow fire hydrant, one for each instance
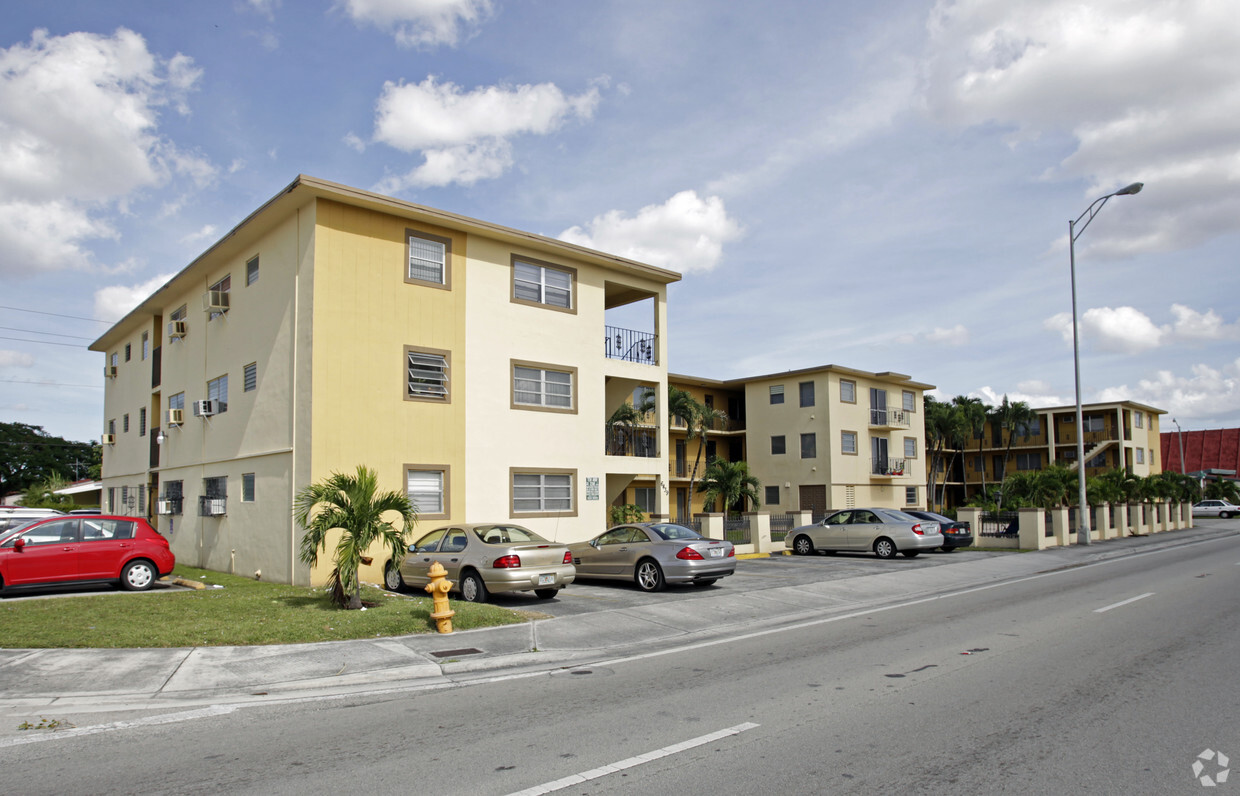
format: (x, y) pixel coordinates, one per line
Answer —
(438, 590)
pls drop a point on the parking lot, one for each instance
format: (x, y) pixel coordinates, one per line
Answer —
(584, 597)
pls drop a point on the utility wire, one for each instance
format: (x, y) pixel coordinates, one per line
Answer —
(51, 334)
(42, 342)
(55, 315)
(49, 384)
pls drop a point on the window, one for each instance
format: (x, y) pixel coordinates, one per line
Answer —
(534, 385)
(643, 498)
(910, 495)
(115, 359)
(125, 423)
(772, 496)
(427, 490)
(1138, 418)
(112, 427)
(848, 443)
(1031, 428)
(910, 447)
(1098, 461)
(541, 283)
(807, 393)
(146, 344)
(223, 286)
(217, 390)
(1140, 455)
(848, 391)
(910, 401)
(142, 422)
(426, 374)
(1094, 423)
(777, 393)
(251, 271)
(177, 401)
(128, 351)
(247, 487)
(778, 446)
(429, 258)
(543, 492)
(250, 380)
(174, 495)
(213, 501)
(1028, 461)
(809, 446)
(177, 315)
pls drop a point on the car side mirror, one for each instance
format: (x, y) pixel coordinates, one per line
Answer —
(18, 544)
(594, 543)
(413, 548)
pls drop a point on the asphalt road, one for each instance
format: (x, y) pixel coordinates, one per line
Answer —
(1108, 678)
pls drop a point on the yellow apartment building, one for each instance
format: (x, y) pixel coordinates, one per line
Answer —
(471, 365)
(1118, 435)
(817, 439)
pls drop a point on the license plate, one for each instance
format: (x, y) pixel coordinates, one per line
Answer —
(546, 580)
(716, 552)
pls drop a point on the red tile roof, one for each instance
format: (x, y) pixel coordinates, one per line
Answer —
(1217, 448)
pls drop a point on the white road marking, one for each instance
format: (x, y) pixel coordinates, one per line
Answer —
(1124, 602)
(602, 771)
(37, 736)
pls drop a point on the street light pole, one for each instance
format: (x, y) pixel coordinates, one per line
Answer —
(1180, 436)
(1082, 509)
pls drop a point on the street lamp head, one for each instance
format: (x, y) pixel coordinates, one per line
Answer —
(1129, 190)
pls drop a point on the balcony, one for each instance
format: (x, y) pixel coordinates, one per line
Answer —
(889, 418)
(887, 468)
(630, 345)
(633, 441)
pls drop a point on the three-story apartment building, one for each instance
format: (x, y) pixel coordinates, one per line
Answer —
(469, 364)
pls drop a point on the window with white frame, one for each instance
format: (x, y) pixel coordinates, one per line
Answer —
(542, 493)
(223, 286)
(777, 393)
(643, 498)
(1138, 418)
(910, 401)
(848, 391)
(429, 257)
(177, 401)
(426, 374)
(1140, 455)
(910, 495)
(542, 387)
(427, 488)
(540, 283)
(910, 447)
(217, 391)
(848, 443)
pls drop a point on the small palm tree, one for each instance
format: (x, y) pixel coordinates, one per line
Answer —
(1224, 489)
(731, 481)
(353, 505)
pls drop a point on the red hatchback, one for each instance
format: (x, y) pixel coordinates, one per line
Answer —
(84, 548)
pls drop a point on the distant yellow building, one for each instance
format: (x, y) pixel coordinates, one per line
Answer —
(470, 364)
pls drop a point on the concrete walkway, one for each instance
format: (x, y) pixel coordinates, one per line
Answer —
(38, 681)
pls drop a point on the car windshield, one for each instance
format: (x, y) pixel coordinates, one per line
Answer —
(506, 534)
(891, 515)
(670, 532)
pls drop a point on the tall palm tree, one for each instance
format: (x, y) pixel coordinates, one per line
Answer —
(975, 411)
(731, 481)
(945, 430)
(704, 419)
(353, 505)
(1012, 416)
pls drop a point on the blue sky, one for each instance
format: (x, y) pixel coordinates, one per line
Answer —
(884, 186)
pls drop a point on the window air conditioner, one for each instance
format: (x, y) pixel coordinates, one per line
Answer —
(215, 301)
(108, 439)
(109, 371)
(204, 408)
(177, 329)
(176, 417)
(163, 507)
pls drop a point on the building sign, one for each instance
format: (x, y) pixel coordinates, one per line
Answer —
(591, 489)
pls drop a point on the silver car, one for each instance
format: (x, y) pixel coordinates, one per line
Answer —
(654, 554)
(883, 531)
(485, 557)
(1216, 508)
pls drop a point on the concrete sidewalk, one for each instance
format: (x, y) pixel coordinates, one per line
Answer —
(94, 680)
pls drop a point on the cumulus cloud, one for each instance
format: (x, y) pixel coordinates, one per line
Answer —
(956, 335)
(686, 233)
(1150, 93)
(1127, 330)
(421, 23)
(112, 303)
(207, 231)
(1039, 398)
(1207, 393)
(465, 136)
(15, 359)
(79, 121)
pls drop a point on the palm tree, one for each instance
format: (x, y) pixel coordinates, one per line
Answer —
(1011, 416)
(353, 505)
(625, 417)
(704, 419)
(1224, 489)
(731, 481)
(974, 413)
(945, 429)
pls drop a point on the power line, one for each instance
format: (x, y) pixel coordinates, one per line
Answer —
(50, 384)
(55, 315)
(43, 342)
(50, 334)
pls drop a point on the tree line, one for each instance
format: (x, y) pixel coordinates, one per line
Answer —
(36, 463)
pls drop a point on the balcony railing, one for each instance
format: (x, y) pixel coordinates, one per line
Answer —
(888, 467)
(633, 441)
(890, 418)
(630, 345)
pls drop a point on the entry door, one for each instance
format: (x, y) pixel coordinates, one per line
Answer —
(878, 453)
(813, 498)
(878, 406)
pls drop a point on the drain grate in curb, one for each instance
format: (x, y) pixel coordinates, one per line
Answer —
(454, 653)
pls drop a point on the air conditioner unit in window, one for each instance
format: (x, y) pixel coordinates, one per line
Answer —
(215, 301)
(176, 417)
(108, 439)
(177, 329)
(163, 507)
(204, 408)
(109, 371)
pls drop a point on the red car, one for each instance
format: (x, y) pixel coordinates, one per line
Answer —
(83, 549)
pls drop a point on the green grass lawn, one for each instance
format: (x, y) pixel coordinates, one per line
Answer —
(243, 612)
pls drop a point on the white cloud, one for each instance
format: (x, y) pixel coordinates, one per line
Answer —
(112, 303)
(1127, 330)
(464, 136)
(421, 23)
(78, 132)
(15, 359)
(686, 233)
(1150, 92)
(1207, 394)
(207, 231)
(955, 336)
(1037, 399)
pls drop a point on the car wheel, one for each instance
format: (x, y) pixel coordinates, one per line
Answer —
(392, 580)
(911, 553)
(1224, 515)
(707, 582)
(473, 590)
(802, 546)
(947, 548)
(884, 548)
(138, 575)
(546, 594)
(649, 576)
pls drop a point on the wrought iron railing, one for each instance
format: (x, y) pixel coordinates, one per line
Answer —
(887, 466)
(890, 418)
(633, 441)
(737, 530)
(630, 345)
(999, 524)
(781, 524)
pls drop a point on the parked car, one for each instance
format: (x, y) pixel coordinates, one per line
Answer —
(1215, 508)
(883, 531)
(481, 558)
(12, 516)
(654, 554)
(57, 550)
(956, 533)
